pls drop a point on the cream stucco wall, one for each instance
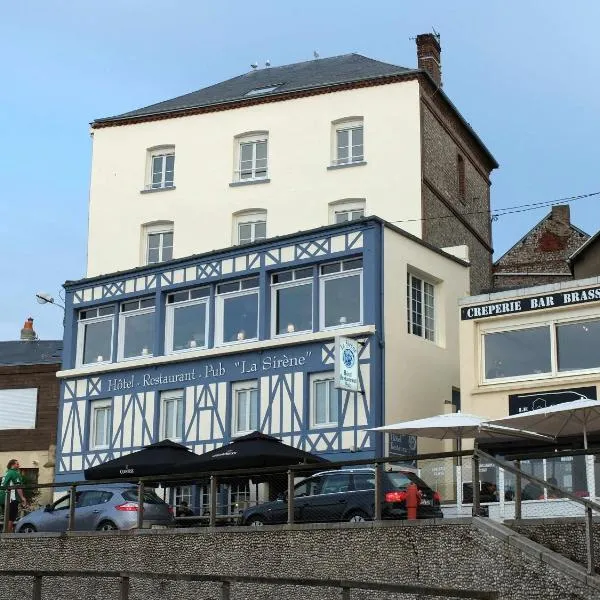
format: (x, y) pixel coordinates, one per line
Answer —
(33, 459)
(420, 374)
(300, 188)
(491, 399)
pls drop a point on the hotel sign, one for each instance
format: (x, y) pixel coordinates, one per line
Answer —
(509, 307)
(346, 364)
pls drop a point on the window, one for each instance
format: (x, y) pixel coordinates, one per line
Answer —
(93, 498)
(249, 226)
(325, 403)
(161, 167)
(262, 90)
(237, 311)
(420, 306)
(460, 176)
(182, 494)
(349, 146)
(186, 320)
(100, 424)
(172, 415)
(309, 487)
(157, 242)
(364, 481)
(136, 328)
(342, 211)
(336, 483)
(95, 335)
(551, 349)
(18, 408)
(341, 293)
(252, 157)
(245, 407)
(292, 301)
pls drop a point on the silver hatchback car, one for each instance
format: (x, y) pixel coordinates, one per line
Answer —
(101, 509)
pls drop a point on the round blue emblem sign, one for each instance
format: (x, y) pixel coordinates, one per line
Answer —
(349, 358)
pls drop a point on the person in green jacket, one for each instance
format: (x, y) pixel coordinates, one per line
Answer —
(13, 478)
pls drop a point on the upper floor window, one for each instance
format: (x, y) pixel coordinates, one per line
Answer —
(250, 226)
(136, 328)
(349, 143)
(325, 402)
(292, 301)
(252, 157)
(341, 293)
(420, 303)
(172, 422)
(95, 335)
(161, 167)
(18, 408)
(187, 320)
(551, 349)
(158, 242)
(100, 424)
(237, 311)
(245, 407)
(343, 211)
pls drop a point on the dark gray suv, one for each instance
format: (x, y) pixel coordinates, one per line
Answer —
(347, 495)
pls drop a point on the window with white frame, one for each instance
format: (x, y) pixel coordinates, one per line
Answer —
(325, 405)
(160, 247)
(348, 144)
(100, 424)
(341, 293)
(346, 210)
(292, 301)
(136, 328)
(161, 167)
(252, 157)
(181, 494)
(555, 348)
(237, 311)
(95, 329)
(245, 407)
(249, 227)
(420, 307)
(171, 411)
(187, 320)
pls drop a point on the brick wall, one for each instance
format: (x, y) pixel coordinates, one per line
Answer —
(446, 555)
(42, 377)
(455, 214)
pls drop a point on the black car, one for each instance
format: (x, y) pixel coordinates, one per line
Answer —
(347, 495)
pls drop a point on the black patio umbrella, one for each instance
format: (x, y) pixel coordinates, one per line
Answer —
(250, 451)
(157, 459)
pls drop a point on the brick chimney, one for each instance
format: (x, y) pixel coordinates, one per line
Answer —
(561, 213)
(428, 56)
(27, 333)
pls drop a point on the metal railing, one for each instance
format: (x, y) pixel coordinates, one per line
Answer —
(345, 587)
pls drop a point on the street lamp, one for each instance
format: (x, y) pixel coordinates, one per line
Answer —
(44, 298)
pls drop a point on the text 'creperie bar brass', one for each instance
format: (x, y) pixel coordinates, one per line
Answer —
(509, 307)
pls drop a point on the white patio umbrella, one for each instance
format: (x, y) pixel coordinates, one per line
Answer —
(576, 417)
(457, 426)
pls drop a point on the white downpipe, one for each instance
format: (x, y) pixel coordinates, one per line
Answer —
(501, 497)
(459, 487)
(589, 467)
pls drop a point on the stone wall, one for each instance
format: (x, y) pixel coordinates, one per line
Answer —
(451, 554)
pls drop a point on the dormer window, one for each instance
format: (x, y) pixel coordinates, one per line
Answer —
(262, 90)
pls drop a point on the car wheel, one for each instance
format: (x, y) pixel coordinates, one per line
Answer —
(27, 528)
(256, 521)
(357, 516)
(106, 526)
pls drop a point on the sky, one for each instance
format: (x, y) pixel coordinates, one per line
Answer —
(523, 74)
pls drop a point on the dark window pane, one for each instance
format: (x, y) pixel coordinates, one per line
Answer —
(106, 310)
(342, 301)
(200, 293)
(97, 342)
(240, 318)
(261, 151)
(341, 217)
(514, 353)
(356, 263)
(335, 484)
(139, 335)
(294, 309)
(189, 327)
(223, 288)
(178, 297)
(303, 273)
(578, 345)
(364, 481)
(147, 303)
(331, 268)
(127, 306)
(167, 239)
(260, 230)
(283, 277)
(248, 284)
(154, 241)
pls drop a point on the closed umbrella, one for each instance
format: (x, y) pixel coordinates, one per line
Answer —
(578, 417)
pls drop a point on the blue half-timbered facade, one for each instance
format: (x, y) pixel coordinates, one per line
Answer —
(203, 349)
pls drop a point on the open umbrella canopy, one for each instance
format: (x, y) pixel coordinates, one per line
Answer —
(456, 426)
(254, 450)
(154, 460)
(578, 417)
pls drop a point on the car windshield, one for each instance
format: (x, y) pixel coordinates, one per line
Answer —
(149, 497)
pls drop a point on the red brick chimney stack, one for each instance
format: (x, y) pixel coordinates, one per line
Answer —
(28, 333)
(428, 56)
(562, 213)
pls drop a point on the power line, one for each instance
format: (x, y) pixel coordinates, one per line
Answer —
(508, 210)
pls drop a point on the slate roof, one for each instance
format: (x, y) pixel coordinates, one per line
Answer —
(40, 352)
(582, 249)
(317, 73)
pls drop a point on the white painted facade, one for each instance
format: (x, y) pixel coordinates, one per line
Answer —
(202, 206)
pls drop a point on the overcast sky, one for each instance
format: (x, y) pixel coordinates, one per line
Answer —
(524, 74)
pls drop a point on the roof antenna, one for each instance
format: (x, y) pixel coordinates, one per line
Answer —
(315, 54)
(254, 66)
(436, 34)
